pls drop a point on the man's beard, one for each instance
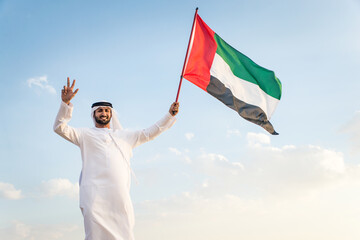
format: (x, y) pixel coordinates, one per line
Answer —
(102, 121)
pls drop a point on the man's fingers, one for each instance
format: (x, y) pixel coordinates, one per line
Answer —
(73, 84)
(174, 108)
(76, 91)
(175, 105)
(68, 82)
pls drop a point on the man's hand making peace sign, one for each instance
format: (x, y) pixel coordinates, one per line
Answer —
(67, 93)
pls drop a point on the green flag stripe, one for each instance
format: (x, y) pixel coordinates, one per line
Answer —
(244, 68)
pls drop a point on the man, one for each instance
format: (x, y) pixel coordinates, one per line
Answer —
(106, 150)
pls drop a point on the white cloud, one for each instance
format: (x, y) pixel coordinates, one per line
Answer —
(214, 157)
(289, 192)
(257, 139)
(328, 215)
(205, 183)
(353, 129)
(21, 231)
(296, 169)
(177, 152)
(189, 136)
(42, 83)
(233, 132)
(174, 150)
(268, 170)
(187, 159)
(8, 191)
(60, 187)
(218, 168)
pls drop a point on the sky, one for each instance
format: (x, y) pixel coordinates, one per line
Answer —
(213, 175)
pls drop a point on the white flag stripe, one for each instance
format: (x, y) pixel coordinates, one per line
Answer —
(245, 91)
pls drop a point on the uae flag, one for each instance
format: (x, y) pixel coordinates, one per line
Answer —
(230, 76)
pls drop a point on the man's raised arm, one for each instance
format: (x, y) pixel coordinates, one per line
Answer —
(160, 126)
(65, 113)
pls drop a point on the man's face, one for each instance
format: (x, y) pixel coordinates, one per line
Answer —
(102, 115)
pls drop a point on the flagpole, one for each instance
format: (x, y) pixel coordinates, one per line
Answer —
(187, 52)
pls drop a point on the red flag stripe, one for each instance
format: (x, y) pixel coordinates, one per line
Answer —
(201, 56)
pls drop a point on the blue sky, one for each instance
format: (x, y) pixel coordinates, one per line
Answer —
(213, 175)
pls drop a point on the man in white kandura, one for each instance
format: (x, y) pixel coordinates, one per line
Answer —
(105, 178)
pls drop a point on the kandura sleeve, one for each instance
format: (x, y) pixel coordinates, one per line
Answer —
(139, 137)
(62, 128)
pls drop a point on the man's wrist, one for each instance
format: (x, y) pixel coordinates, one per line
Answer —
(169, 115)
(66, 102)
